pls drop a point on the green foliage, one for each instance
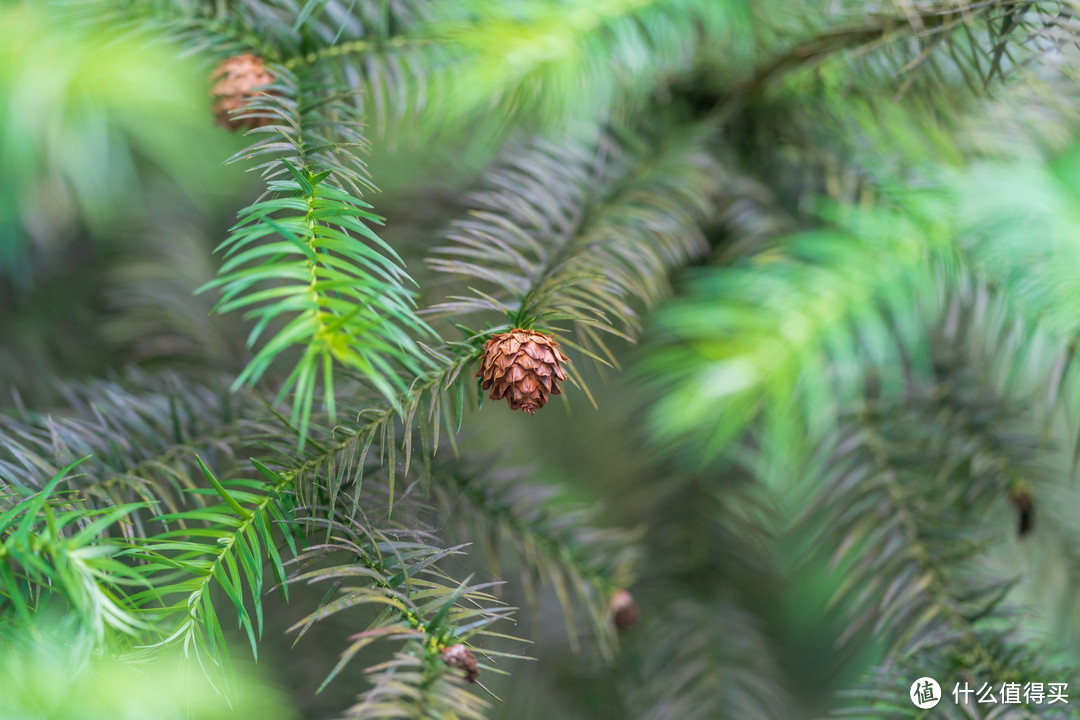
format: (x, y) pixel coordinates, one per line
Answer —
(226, 545)
(557, 545)
(940, 600)
(704, 659)
(795, 328)
(56, 552)
(398, 570)
(44, 684)
(85, 117)
(136, 440)
(627, 206)
(873, 357)
(553, 61)
(309, 254)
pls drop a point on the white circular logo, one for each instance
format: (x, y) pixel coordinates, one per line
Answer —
(925, 693)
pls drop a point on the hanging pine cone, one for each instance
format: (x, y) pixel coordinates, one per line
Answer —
(624, 610)
(523, 366)
(238, 80)
(461, 657)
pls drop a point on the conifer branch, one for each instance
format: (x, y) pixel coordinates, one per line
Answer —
(926, 476)
(707, 662)
(821, 308)
(911, 36)
(398, 569)
(52, 547)
(344, 295)
(139, 437)
(668, 200)
(223, 546)
(561, 549)
(626, 215)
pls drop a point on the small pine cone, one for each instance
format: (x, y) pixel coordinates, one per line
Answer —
(623, 610)
(523, 366)
(1022, 501)
(461, 657)
(238, 80)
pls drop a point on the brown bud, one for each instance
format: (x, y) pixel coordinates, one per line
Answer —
(239, 79)
(623, 610)
(461, 657)
(523, 366)
(1021, 499)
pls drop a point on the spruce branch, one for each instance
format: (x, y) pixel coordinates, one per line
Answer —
(707, 661)
(558, 548)
(225, 545)
(905, 37)
(916, 529)
(138, 435)
(53, 547)
(625, 215)
(498, 64)
(341, 292)
(647, 225)
(992, 658)
(798, 323)
(411, 685)
(667, 198)
(397, 568)
(914, 485)
(528, 56)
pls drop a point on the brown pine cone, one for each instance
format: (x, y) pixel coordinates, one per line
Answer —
(239, 79)
(461, 657)
(523, 366)
(624, 610)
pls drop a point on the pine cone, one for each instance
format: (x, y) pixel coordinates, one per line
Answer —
(523, 366)
(624, 610)
(461, 657)
(238, 79)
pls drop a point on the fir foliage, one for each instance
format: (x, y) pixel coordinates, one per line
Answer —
(834, 410)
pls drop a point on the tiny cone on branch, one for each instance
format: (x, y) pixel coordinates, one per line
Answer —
(1022, 501)
(523, 366)
(238, 80)
(461, 657)
(624, 610)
